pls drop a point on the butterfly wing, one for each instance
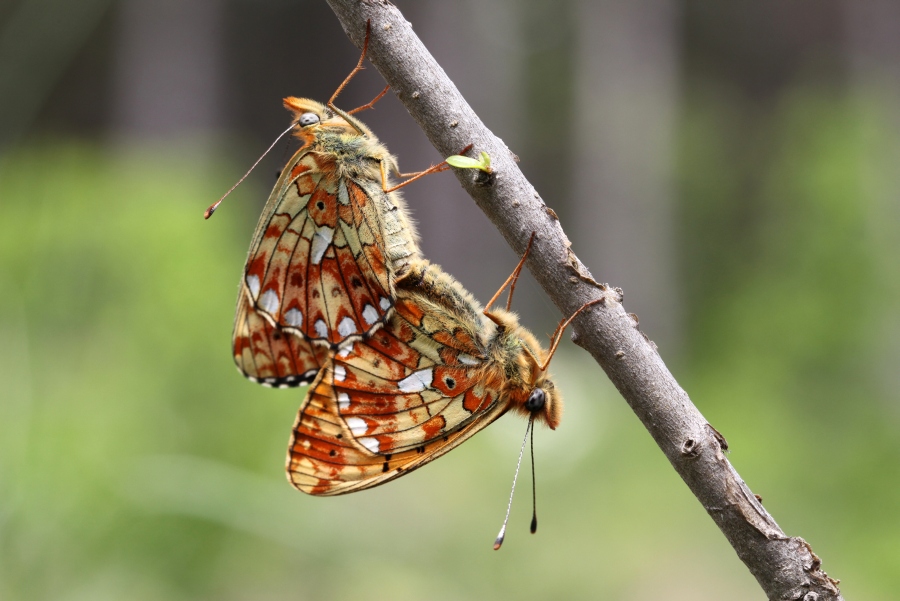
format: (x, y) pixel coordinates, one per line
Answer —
(317, 263)
(397, 399)
(321, 264)
(267, 354)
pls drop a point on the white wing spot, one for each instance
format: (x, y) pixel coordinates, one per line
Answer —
(294, 318)
(320, 243)
(370, 443)
(321, 328)
(385, 303)
(253, 284)
(347, 327)
(343, 401)
(416, 382)
(467, 359)
(345, 352)
(343, 197)
(370, 314)
(269, 301)
(357, 426)
(340, 372)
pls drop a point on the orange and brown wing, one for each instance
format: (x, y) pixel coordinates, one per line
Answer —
(390, 403)
(317, 263)
(267, 354)
(321, 264)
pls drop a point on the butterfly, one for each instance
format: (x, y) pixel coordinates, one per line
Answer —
(330, 243)
(439, 371)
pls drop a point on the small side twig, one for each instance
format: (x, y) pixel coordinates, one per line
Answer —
(785, 567)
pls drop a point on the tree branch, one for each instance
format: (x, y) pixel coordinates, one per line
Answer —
(785, 567)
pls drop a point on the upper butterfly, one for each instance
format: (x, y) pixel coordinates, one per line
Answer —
(329, 245)
(331, 240)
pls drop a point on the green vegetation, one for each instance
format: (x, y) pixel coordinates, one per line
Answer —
(483, 162)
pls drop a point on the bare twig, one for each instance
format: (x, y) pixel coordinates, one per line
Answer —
(785, 567)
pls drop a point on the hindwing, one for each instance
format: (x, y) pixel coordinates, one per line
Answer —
(266, 354)
(398, 398)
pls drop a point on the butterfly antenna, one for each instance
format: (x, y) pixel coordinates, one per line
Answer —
(502, 535)
(283, 160)
(533, 487)
(212, 208)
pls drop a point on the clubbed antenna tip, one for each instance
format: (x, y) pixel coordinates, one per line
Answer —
(500, 538)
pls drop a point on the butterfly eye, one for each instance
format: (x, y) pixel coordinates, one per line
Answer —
(308, 119)
(536, 400)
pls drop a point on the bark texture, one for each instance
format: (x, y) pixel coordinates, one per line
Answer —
(785, 567)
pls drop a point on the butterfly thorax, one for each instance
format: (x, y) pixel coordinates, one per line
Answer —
(517, 352)
(353, 156)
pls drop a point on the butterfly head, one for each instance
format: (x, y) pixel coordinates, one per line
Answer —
(314, 120)
(544, 400)
(529, 388)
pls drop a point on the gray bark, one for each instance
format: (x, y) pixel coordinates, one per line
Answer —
(457, 235)
(785, 567)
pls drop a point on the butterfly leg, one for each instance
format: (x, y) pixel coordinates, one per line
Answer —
(442, 166)
(370, 104)
(412, 176)
(511, 282)
(359, 67)
(557, 335)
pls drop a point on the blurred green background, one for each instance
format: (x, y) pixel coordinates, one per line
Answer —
(733, 166)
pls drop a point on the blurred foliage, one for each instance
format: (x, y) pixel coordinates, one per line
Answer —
(137, 464)
(788, 228)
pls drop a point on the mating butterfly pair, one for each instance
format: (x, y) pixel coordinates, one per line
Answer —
(404, 364)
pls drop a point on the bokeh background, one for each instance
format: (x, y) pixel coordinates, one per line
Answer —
(732, 165)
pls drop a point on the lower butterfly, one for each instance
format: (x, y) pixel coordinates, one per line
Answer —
(329, 244)
(439, 371)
